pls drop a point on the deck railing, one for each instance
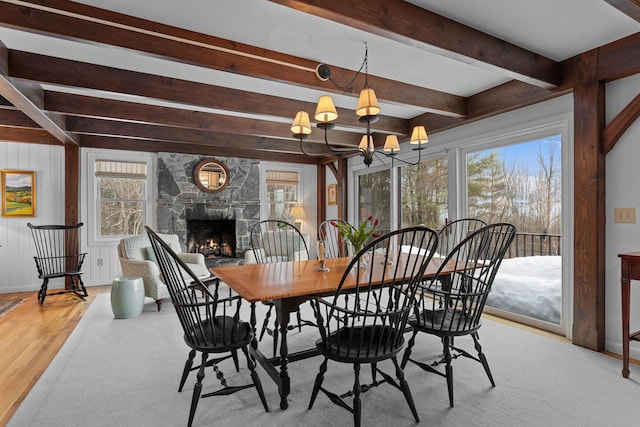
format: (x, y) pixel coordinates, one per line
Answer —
(529, 244)
(533, 244)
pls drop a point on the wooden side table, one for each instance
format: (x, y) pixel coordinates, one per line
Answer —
(630, 263)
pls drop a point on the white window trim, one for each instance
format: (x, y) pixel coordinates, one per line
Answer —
(91, 184)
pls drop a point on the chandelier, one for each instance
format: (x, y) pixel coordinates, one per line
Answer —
(367, 111)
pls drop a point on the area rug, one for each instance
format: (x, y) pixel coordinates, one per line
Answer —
(7, 305)
(125, 372)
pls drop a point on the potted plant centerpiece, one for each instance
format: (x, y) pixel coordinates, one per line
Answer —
(357, 236)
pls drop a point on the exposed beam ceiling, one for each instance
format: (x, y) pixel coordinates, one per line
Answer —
(137, 81)
(409, 24)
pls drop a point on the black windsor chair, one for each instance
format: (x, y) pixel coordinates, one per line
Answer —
(329, 235)
(455, 310)
(58, 255)
(369, 328)
(455, 231)
(210, 325)
(277, 241)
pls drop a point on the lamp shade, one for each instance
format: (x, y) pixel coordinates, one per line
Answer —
(298, 212)
(419, 135)
(367, 103)
(364, 146)
(391, 144)
(325, 110)
(301, 125)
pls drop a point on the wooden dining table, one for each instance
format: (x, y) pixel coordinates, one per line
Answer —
(288, 285)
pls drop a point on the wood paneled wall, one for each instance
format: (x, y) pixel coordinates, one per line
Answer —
(17, 268)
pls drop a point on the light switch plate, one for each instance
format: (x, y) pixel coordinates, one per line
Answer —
(625, 215)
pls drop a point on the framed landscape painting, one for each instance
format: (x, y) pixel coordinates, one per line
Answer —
(18, 193)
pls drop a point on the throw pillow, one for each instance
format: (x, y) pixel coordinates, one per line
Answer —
(149, 254)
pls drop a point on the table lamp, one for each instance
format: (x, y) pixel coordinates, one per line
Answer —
(297, 212)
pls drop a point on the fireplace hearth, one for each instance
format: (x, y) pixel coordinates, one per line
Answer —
(214, 238)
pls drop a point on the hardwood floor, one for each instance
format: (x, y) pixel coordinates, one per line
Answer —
(31, 335)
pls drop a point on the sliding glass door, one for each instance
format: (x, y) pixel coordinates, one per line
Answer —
(516, 179)
(424, 193)
(374, 195)
(521, 183)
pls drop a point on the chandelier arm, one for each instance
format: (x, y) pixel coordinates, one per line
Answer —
(393, 156)
(380, 158)
(338, 150)
(308, 154)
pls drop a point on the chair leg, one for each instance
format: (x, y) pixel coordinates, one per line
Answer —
(405, 389)
(187, 368)
(197, 389)
(299, 320)
(42, 294)
(159, 303)
(357, 402)
(449, 368)
(256, 379)
(234, 355)
(81, 287)
(482, 357)
(265, 323)
(318, 382)
(407, 352)
(276, 328)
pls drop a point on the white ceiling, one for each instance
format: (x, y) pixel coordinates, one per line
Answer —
(552, 28)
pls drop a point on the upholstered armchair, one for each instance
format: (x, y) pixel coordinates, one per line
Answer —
(293, 249)
(138, 260)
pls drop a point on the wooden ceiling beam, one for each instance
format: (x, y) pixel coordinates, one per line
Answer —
(47, 69)
(73, 104)
(618, 59)
(29, 98)
(153, 146)
(630, 8)
(29, 135)
(93, 25)
(178, 135)
(500, 99)
(16, 118)
(404, 22)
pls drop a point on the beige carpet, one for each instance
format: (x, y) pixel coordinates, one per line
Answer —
(126, 372)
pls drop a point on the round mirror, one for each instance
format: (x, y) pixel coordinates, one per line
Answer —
(211, 175)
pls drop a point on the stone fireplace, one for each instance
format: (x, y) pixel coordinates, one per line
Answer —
(181, 202)
(215, 238)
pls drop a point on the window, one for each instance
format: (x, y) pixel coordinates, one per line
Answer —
(121, 197)
(282, 194)
(521, 183)
(374, 192)
(424, 193)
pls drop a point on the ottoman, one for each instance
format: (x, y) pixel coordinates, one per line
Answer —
(127, 297)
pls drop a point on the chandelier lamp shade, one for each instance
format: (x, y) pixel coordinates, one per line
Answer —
(367, 111)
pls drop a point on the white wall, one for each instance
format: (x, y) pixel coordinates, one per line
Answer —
(622, 191)
(17, 268)
(331, 210)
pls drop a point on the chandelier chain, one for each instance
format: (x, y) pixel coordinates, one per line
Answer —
(365, 64)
